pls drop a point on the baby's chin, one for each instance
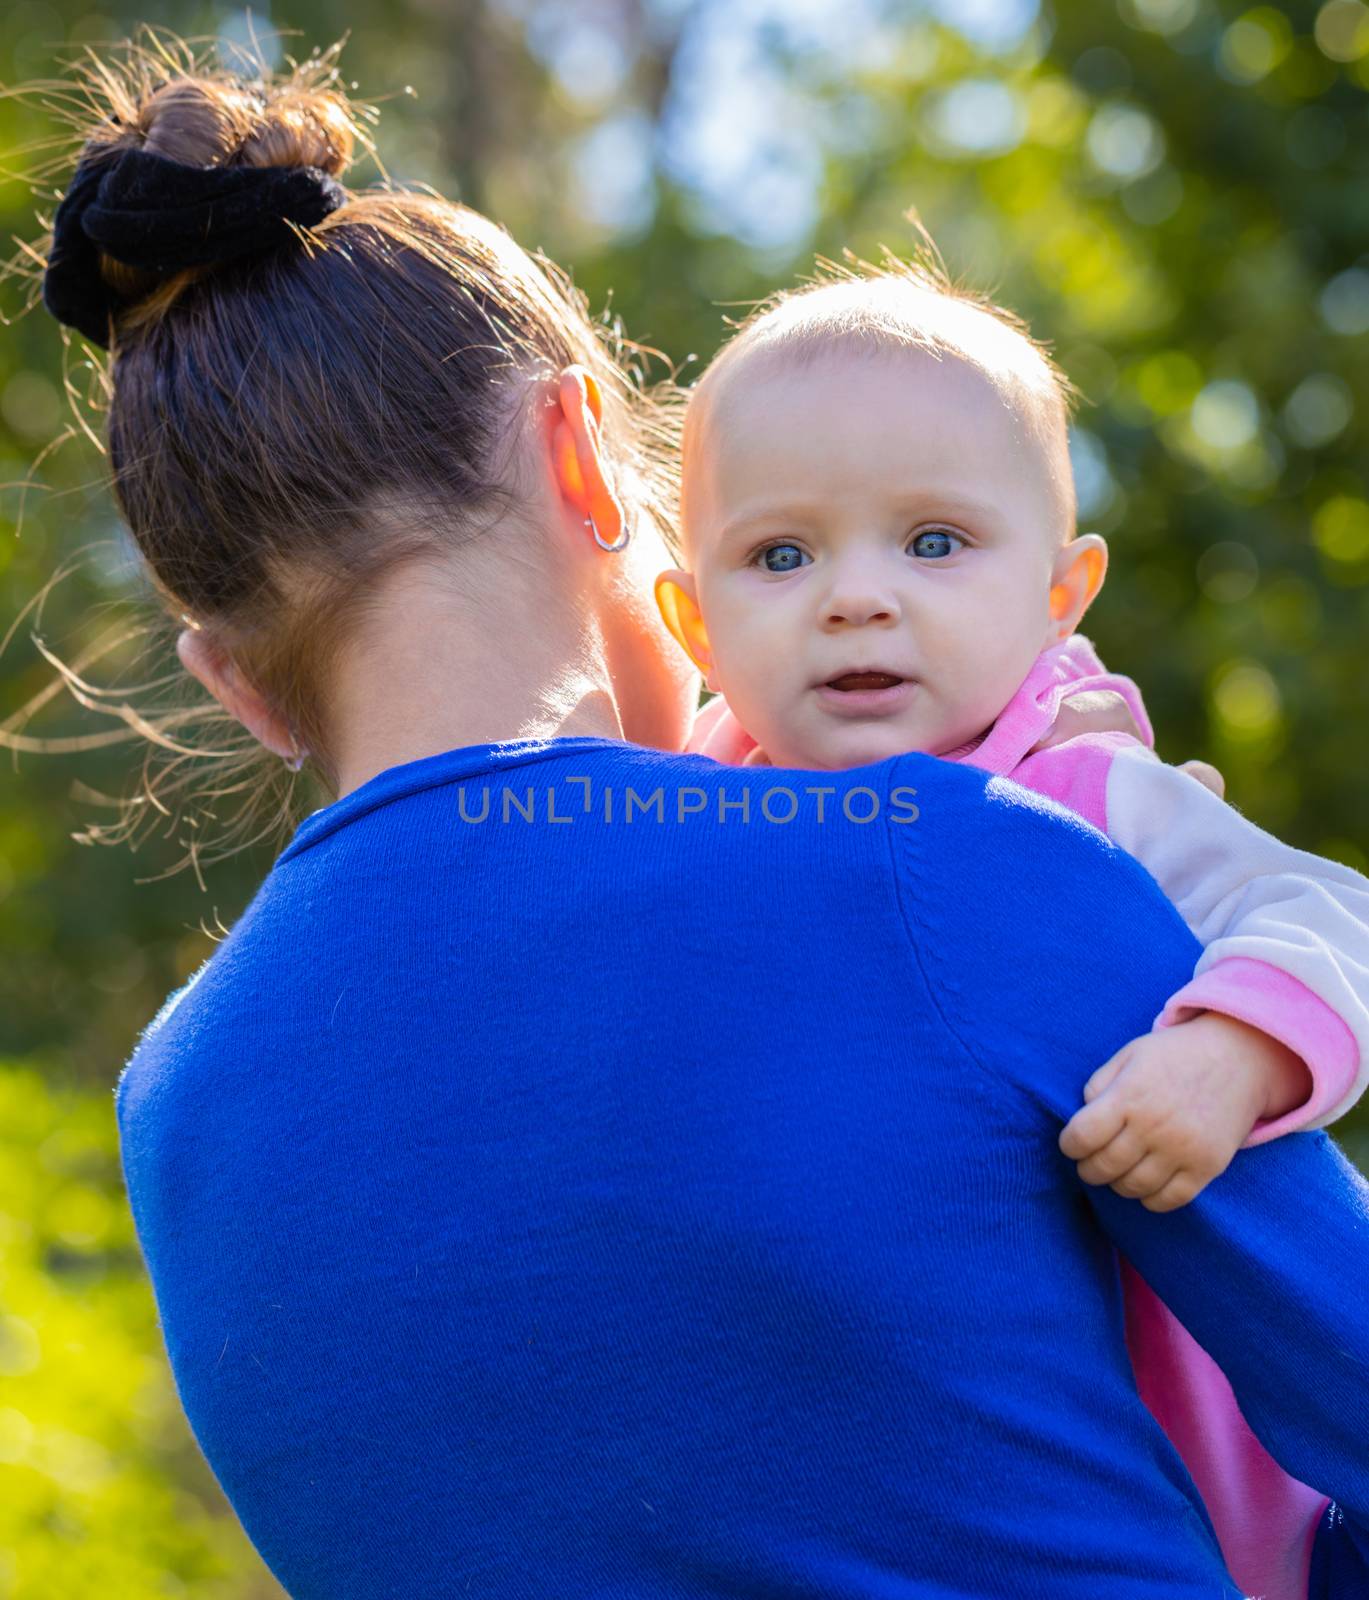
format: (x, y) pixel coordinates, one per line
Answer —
(854, 746)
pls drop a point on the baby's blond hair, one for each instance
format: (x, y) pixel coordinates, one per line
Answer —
(909, 304)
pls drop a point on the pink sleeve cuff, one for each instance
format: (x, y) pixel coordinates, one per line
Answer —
(1282, 1006)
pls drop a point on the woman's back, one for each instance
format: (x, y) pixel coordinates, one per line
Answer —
(600, 1207)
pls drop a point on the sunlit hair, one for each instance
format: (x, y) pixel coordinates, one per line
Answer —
(285, 430)
(902, 304)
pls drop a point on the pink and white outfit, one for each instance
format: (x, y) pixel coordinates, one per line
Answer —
(1286, 948)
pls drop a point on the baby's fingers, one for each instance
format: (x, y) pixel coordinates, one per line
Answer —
(1207, 775)
(1092, 1127)
(1180, 1189)
(1105, 1074)
(1116, 1158)
(1147, 1178)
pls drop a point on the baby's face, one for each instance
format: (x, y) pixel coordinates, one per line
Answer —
(868, 513)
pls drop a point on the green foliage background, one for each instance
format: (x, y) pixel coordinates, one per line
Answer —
(1175, 192)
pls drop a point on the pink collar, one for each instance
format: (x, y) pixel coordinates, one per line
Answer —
(1064, 669)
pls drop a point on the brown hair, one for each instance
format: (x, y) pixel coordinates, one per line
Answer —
(284, 430)
(902, 303)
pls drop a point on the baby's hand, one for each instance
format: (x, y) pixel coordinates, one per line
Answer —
(1106, 711)
(757, 758)
(1166, 1114)
(1089, 711)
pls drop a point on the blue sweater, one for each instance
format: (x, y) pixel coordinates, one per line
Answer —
(581, 1207)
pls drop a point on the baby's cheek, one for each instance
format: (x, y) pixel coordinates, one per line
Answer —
(766, 722)
(770, 716)
(982, 694)
(747, 663)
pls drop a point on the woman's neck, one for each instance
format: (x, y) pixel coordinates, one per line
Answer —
(436, 671)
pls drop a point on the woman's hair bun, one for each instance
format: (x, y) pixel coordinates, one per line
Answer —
(188, 170)
(208, 123)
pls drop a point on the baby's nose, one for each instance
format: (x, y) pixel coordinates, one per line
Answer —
(857, 603)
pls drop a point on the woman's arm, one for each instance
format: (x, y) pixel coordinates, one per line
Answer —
(1264, 1517)
(1269, 1268)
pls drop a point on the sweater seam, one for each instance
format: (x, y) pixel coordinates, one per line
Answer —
(908, 921)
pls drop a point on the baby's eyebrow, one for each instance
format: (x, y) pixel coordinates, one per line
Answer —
(736, 527)
(953, 503)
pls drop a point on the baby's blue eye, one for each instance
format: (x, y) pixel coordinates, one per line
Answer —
(785, 550)
(789, 557)
(941, 546)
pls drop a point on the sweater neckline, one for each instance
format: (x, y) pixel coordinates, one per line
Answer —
(428, 772)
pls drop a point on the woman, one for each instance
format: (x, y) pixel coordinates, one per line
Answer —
(585, 1169)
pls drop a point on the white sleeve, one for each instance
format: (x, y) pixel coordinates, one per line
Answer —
(1249, 897)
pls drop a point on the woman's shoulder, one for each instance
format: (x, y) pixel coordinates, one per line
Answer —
(593, 784)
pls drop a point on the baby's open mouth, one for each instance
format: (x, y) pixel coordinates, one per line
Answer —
(864, 680)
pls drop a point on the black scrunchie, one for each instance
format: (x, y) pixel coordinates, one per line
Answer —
(162, 215)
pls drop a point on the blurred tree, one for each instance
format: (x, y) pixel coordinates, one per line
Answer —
(102, 1491)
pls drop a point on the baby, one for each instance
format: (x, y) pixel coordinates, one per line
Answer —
(878, 520)
(878, 525)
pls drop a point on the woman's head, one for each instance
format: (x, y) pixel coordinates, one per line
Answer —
(384, 391)
(876, 476)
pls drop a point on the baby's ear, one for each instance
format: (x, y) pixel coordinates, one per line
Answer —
(677, 600)
(1077, 577)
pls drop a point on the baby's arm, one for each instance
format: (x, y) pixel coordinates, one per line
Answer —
(1287, 956)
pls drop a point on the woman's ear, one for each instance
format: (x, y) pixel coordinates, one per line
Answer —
(577, 452)
(677, 600)
(1076, 578)
(205, 659)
